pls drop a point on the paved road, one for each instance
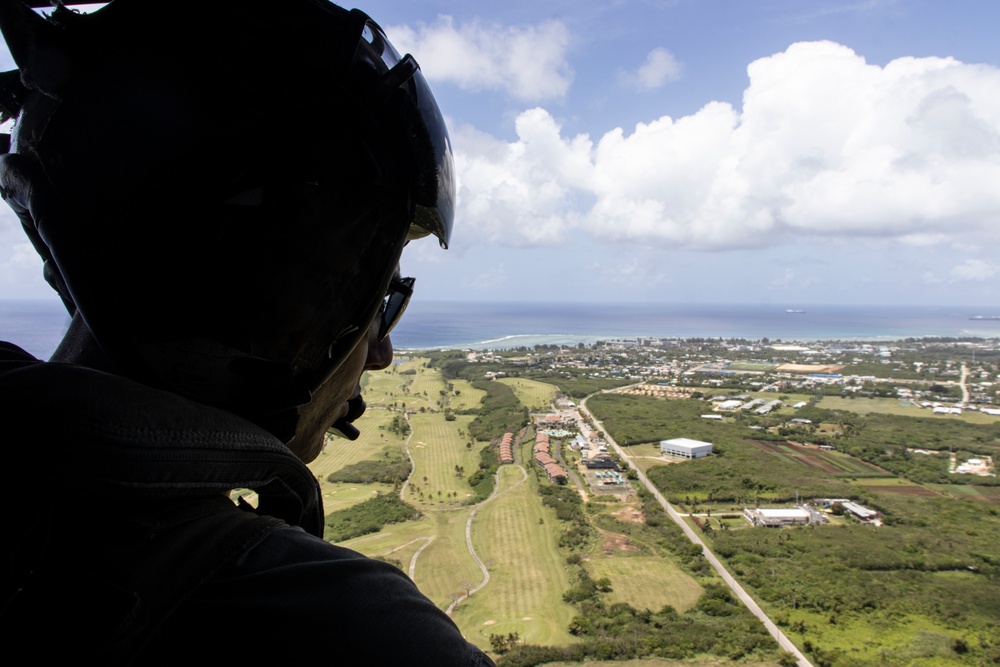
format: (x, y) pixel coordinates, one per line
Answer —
(779, 636)
(962, 383)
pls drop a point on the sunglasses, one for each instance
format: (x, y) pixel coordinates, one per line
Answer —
(394, 304)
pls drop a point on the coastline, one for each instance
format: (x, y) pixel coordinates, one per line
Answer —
(38, 325)
(475, 326)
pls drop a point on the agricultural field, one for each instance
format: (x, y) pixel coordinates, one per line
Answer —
(811, 456)
(989, 494)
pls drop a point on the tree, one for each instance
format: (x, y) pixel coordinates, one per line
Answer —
(503, 643)
(787, 659)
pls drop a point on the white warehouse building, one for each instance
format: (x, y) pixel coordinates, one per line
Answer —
(686, 448)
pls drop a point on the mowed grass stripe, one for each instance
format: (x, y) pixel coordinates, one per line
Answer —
(527, 577)
(437, 448)
(339, 453)
(340, 496)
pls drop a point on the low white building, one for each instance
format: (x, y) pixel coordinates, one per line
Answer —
(777, 517)
(685, 448)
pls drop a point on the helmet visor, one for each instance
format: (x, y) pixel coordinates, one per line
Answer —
(434, 178)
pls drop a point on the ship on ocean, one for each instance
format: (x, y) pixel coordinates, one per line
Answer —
(984, 317)
(794, 310)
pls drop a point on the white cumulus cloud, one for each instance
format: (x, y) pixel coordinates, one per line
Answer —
(659, 68)
(527, 62)
(825, 145)
(974, 269)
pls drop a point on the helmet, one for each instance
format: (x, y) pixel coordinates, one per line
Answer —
(222, 191)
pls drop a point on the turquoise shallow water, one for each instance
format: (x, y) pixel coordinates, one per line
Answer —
(495, 325)
(38, 325)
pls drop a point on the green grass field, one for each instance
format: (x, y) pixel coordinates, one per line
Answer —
(534, 395)
(893, 406)
(338, 453)
(897, 640)
(513, 537)
(436, 448)
(647, 582)
(468, 397)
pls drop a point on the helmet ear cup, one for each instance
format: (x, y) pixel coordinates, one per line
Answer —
(25, 188)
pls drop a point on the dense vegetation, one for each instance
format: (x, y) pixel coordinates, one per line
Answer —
(937, 561)
(568, 507)
(394, 469)
(579, 387)
(720, 625)
(932, 563)
(886, 441)
(367, 517)
(500, 412)
(482, 480)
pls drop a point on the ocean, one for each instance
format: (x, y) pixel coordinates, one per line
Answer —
(37, 326)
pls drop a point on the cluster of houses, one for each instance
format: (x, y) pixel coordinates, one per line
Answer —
(544, 459)
(507, 448)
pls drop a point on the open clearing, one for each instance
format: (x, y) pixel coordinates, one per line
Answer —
(647, 582)
(534, 395)
(894, 406)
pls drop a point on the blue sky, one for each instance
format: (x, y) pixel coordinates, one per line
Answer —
(766, 151)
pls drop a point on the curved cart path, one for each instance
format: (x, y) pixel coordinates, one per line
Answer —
(468, 535)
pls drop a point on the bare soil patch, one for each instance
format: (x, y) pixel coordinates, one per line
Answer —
(629, 515)
(808, 455)
(612, 542)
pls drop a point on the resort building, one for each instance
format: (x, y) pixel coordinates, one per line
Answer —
(686, 448)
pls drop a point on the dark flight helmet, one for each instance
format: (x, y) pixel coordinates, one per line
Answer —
(221, 190)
